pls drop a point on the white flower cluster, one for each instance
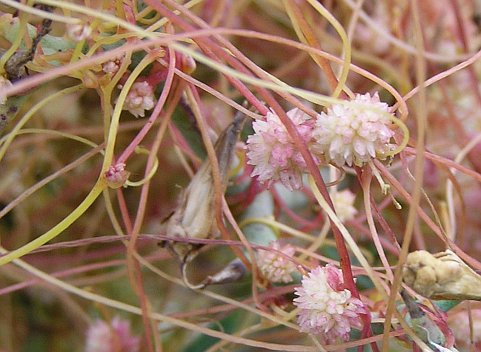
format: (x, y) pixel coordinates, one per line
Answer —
(140, 98)
(344, 204)
(352, 133)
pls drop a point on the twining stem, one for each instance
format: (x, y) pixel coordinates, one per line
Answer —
(418, 173)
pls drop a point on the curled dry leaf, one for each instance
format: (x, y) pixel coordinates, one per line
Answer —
(441, 276)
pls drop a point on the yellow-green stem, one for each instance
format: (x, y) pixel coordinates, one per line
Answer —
(59, 228)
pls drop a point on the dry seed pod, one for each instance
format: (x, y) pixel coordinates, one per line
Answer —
(194, 216)
(441, 276)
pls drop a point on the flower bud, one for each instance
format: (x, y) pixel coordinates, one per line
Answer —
(441, 276)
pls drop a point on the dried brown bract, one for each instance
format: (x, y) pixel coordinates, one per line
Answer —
(195, 213)
(441, 276)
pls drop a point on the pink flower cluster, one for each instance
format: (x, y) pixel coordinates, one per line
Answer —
(347, 134)
(326, 308)
(79, 31)
(273, 153)
(112, 66)
(113, 337)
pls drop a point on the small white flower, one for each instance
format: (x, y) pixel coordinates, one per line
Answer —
(112, 66)
(343, 204)
(140, 98)
(275, 267)
(354, 133)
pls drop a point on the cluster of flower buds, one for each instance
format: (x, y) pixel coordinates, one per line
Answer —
(139, 99)
(277, 267)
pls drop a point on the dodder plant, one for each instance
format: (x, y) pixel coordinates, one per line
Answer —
(122, 128)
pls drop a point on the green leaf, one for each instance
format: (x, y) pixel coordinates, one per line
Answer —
(446, 305)
(50, 44)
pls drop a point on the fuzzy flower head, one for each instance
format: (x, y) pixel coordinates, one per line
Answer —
(140, 98)
(275, 267)
(326, 308)
(354, 133)
(116, 337)
(343, 203)
(273, 153)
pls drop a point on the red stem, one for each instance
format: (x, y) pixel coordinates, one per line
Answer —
(124, 211)
(212, 49)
